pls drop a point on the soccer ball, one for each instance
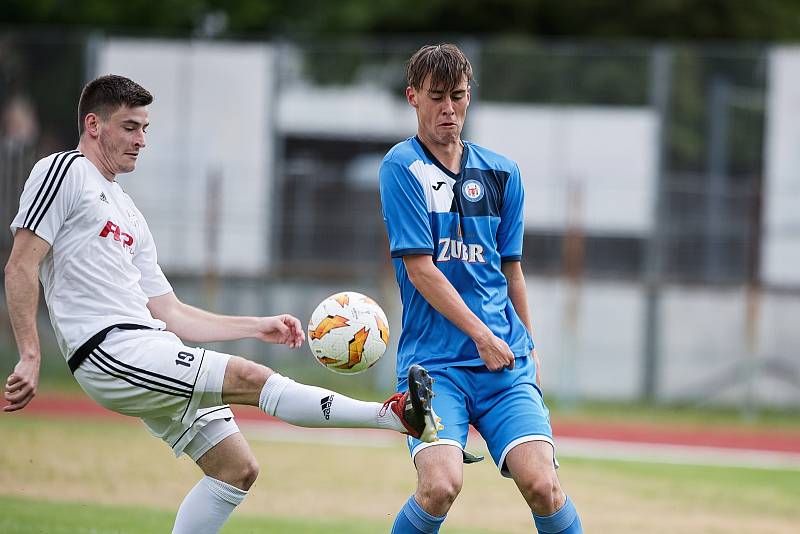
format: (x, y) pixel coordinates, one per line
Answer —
(348, 332)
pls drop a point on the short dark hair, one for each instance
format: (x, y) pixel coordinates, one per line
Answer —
(104, 95)
(446, 64)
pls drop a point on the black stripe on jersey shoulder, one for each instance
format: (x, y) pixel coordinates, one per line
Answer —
(399, 253)
(196, 419)
(93, 357)
(52, 189)
(508, 259)
(45, 183)
(55, 191)
(145, 371)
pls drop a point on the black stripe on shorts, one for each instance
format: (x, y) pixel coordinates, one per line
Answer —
(196, 419)
(136, 374)
(120, 365)
(136, 380)
(196, 375)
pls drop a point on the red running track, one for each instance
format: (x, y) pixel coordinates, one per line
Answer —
(720, 437)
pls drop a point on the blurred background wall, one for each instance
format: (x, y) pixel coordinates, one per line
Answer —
(662, 240)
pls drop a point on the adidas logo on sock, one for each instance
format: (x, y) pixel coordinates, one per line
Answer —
(326, 403)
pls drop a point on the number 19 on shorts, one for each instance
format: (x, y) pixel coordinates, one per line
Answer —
(185, 359)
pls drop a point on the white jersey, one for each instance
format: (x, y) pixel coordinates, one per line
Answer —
(102, 267)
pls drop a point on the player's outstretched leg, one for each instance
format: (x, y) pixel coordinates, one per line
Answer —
(312, 406)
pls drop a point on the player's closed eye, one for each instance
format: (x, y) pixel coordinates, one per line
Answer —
(453, 96)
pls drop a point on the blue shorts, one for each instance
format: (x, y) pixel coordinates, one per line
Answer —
(505, 407)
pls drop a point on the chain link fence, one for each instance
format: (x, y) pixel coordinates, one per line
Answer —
(644, 166)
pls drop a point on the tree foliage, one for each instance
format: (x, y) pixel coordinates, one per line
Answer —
(608, 19)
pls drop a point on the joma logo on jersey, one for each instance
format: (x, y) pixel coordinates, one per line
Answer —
(454, 249)
(123, 237)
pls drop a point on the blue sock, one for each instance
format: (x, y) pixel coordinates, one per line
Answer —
(412, 519)
(565, 521)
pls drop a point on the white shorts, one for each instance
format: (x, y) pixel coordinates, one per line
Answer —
(176, 390)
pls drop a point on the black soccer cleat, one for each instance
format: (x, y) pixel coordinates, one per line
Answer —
(470, 458)
(413, 407)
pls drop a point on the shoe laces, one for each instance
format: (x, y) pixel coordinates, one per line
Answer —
(397, 397)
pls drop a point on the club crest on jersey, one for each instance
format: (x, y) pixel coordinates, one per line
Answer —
(124, 238)
(472, 190)
(455, 249)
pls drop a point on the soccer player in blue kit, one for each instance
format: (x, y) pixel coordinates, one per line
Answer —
(453, 211)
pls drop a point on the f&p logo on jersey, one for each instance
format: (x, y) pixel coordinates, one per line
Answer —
(124, 238)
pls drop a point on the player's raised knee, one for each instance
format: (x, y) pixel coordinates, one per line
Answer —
(255, 374)
(244, 380)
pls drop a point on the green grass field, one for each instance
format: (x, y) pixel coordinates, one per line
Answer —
(98, 476)
(23, 516)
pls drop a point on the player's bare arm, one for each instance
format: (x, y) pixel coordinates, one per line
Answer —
(518, 293)
(441, 294)
(22, 300)
(202, 326)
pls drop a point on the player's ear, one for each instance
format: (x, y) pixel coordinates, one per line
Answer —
(91, 124)
(411, 96)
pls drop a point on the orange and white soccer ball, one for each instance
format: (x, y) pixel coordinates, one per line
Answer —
(348, 332)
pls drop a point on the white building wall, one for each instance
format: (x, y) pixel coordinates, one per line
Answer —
(588, 336)
(780, 253)
(211, 116)
(606, 154)
(593, 166)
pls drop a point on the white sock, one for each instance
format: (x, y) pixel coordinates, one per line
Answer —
(206, 508)
(311, 406)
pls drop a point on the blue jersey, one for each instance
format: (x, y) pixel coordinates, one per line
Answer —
(470, 223)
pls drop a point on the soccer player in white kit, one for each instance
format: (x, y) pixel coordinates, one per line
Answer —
(119, 324)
